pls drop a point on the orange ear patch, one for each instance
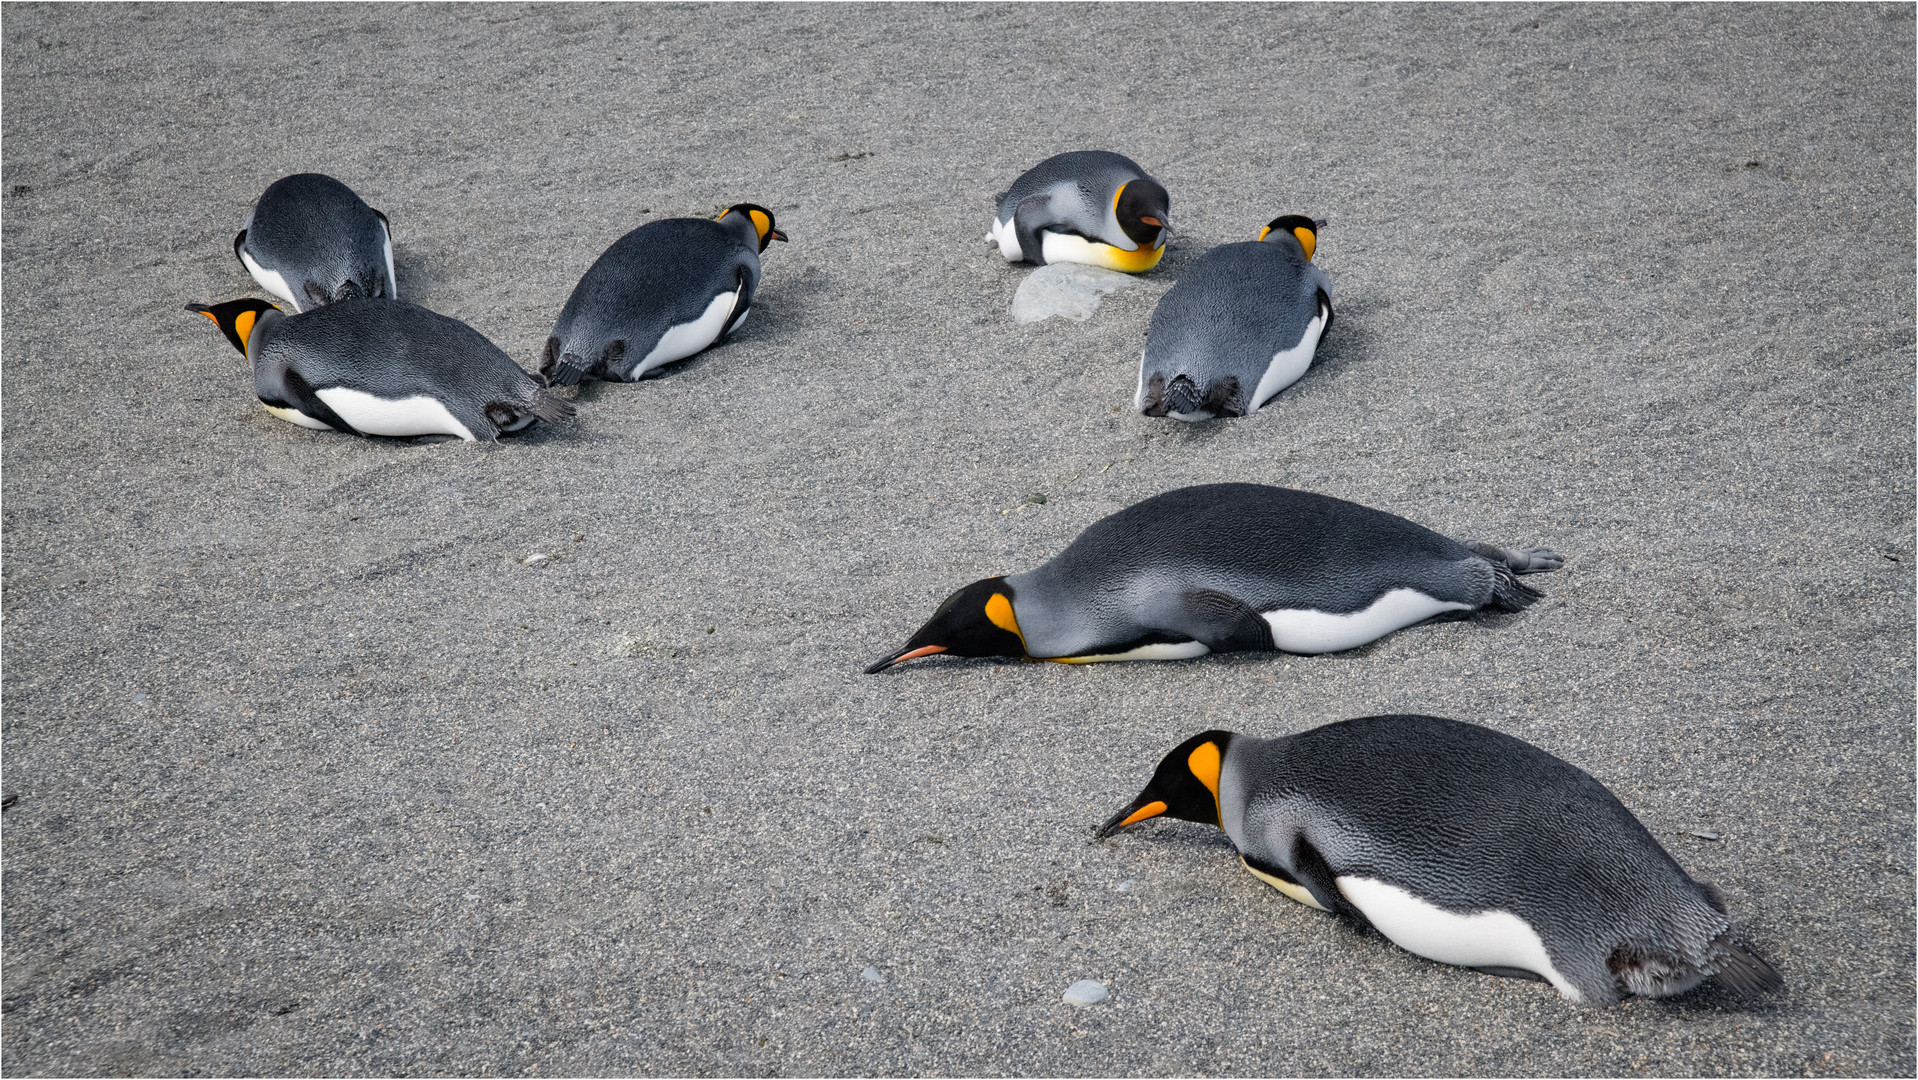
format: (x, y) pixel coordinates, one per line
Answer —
(1204, 763)
(1307, 240)
(760, 221)
(243, 326)
(999, 611)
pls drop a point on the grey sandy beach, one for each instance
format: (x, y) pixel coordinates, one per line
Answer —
(328, 755)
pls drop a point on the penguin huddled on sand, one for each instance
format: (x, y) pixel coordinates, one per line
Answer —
(382, 367)
(1228, 568)
(1463, 845)
(310, 241)
(1241, 325)
(1087, 206)
(661, 293)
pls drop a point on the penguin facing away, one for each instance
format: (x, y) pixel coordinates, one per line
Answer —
(1463, 845)
(382, 367)
(660, 294)
(1087, 206)
(1241, 325)
(310, 241)
(1228, 568)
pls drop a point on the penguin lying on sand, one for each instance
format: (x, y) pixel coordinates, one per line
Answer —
(382, 367)
(1462, 845)
(311, 241)
(1228, 568)
(1240, 326)
(1088, 206)
(661, 293)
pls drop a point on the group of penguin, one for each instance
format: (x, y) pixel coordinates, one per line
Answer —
(1456, 842)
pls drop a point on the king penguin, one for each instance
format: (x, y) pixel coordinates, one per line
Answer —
(382, 367)
(310, 241)
(1463, 845)
(1228, 568)
(1241, 325)
(1087, 206)
(661, 293)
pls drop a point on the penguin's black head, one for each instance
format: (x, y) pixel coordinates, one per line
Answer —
(1185, 787)
(975, 621)
(1144, 211)
(1304, 229)
(761, 218)
(235, 318)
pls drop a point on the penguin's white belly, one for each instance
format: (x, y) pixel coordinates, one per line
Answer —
(688, 338)
(270, 280)
(1481, 939)
(294, 416)
(1289, 364)
(1065, 247)
(1309, 631)
(1158, 650)
(416, 415)
(1007, 238)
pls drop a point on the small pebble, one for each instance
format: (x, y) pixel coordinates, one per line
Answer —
(535, 557)
(871, 975)
(1127, 886)
(1085, 992)
(1708, 834)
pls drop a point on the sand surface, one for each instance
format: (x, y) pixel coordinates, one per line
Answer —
(315, 773)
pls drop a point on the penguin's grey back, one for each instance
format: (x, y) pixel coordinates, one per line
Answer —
(661, 275)
(322, 239)
(1470, 819)
(1087, 178)
(393, 350)
(1228, 315)
(1271, 547)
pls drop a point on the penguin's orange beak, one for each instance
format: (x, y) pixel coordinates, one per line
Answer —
(1147, 805)
(904, 655)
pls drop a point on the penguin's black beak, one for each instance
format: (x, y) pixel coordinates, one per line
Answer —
(903, 655)
(1147, 805)
(776, 235)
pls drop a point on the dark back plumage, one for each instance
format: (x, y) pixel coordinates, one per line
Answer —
(322, 238)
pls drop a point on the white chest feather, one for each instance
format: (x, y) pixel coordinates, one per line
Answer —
(1158, 650)
(1287, 365)
(1481, 939)
(1007, 237)
(1065, 247)
(416, 415)
(294, 416)
(270, 280)
(688, 338)
(1309, 631)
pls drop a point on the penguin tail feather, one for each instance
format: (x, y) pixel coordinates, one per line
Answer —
(1509, 593)
(571, 368)
(1182, 395)
(550, 407)
(1743, 971)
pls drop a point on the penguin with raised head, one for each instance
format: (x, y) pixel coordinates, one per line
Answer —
(1463, 845)
(1240, 325)
(661, 293)
(1228, 568)
(310, 241)
(382, 367)
(1087, 206)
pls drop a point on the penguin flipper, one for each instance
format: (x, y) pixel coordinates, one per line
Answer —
(1220, 622)
(308, 402)
(1312, 871)
(1027, 219)
(742, 302)
(1511, 973)
(239, 240)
